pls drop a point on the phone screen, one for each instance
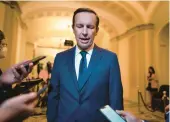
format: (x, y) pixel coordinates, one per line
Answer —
(37, 59)
(26, 64)
(111, 115)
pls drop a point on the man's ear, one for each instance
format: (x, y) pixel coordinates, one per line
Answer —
(72, 28)
(97, 29)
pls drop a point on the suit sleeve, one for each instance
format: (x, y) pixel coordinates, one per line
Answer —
(54, 93)
(115, 86)
(167, 117)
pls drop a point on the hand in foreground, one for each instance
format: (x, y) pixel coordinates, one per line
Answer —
(128, 116)
(12, 75)
(167, 108)
(17, 108)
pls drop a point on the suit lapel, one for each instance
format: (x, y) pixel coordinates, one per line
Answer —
(92, 65)
(71, 68)
(94, 61)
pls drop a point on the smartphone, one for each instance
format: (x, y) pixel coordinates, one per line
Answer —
(42, 90)
(26, 64)
(111, 115)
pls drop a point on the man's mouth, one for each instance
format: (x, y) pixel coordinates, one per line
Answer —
(84, 40)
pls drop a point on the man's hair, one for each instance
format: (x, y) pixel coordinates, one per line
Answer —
(79, 10)
(2, 36)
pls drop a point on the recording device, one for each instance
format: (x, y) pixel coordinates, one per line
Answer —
(42, 90)
(111, 115)
(68, 43)
(26, 64)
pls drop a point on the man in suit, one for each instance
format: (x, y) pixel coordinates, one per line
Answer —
(85, 77)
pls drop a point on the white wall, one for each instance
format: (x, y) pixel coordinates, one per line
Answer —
(8, 24)
(123, 56)
(161, 49)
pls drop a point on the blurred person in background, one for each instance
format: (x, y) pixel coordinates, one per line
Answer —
(152, 84)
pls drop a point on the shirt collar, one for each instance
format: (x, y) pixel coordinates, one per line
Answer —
(78, 51)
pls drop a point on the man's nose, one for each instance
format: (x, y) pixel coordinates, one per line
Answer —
(84, 31)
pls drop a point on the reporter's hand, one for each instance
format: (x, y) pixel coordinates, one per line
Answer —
(11, 75)
(17, 108)
(167, 108)
(128, 116)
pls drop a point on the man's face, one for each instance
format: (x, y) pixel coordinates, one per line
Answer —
(85, 29)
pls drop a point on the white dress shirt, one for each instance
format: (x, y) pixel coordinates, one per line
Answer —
(78, 59)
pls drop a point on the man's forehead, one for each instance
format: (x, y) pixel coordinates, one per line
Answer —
(85, 17)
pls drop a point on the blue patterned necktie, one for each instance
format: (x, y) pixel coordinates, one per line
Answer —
(82, 66)
(83, 62)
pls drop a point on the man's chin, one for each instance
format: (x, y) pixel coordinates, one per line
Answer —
(83, 47)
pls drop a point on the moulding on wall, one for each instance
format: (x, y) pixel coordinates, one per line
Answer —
(141, 27)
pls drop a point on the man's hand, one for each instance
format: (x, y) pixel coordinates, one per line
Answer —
(128, 116)
(17, 108)
(11, 75)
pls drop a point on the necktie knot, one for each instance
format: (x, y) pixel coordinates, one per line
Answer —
(83, 54)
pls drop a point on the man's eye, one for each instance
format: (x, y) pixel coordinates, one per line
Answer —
(90, 26)
(79, 26)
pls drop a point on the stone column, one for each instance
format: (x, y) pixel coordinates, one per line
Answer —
(149, 55)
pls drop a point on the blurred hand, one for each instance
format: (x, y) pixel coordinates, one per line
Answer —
(17, 108)
(128, 116)
(167, 108)
(11, 75)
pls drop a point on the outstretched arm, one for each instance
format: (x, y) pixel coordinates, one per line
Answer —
(129, 117)
(11, 75)
(17, 108)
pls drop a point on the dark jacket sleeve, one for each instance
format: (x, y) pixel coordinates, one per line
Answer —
(54, 94)
(115, 85)
(6, 91)
(167, 117)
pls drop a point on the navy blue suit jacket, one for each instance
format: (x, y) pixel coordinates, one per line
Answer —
(102, 86)
(167, 117)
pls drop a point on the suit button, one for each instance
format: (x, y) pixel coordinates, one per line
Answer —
(80, 102)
